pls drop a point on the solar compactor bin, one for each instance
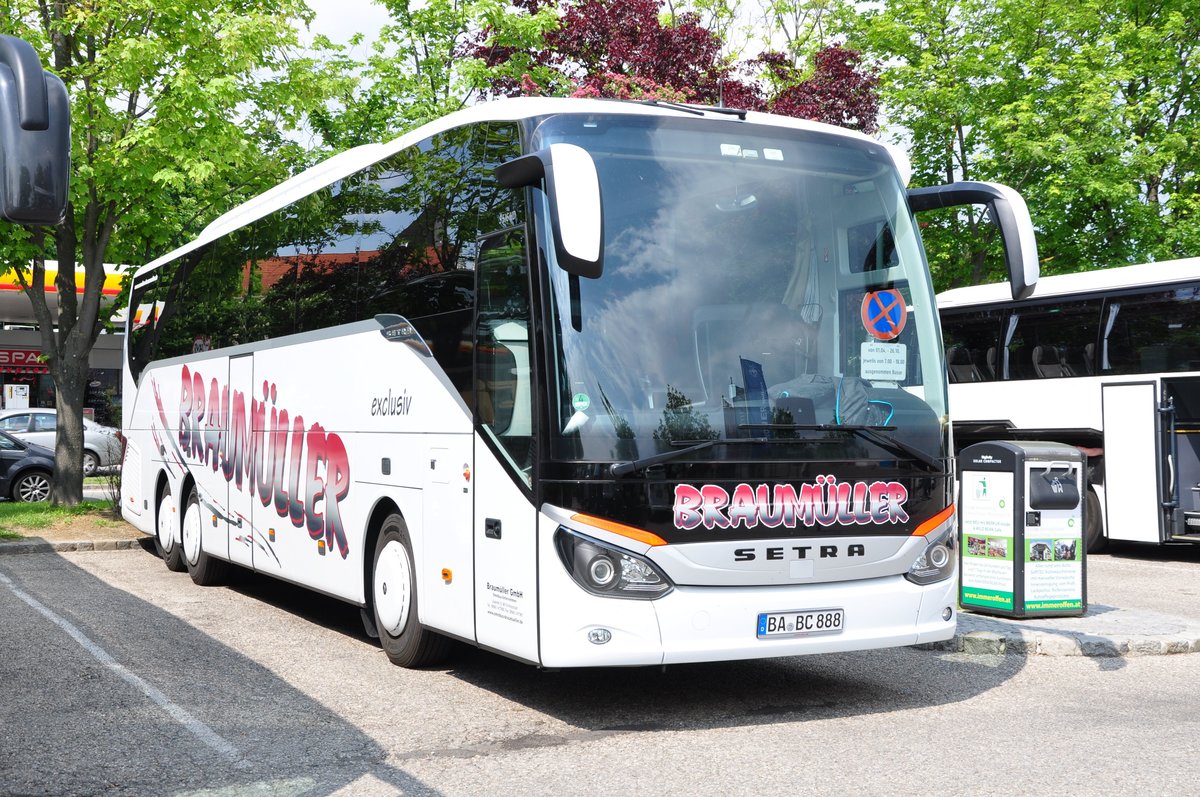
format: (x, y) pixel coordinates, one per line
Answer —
(1021, 520)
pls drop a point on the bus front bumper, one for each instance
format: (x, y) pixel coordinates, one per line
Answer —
(697, 624)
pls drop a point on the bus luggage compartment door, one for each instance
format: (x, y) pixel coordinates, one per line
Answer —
(446, 556)
(1132, 462)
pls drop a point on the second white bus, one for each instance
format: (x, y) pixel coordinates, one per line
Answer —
(1107, 361)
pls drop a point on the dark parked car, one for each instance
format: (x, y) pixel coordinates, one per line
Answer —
(25, 469)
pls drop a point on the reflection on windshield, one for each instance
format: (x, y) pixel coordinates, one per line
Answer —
(754, 278)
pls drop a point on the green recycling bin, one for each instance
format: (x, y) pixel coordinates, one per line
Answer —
(1022, 552)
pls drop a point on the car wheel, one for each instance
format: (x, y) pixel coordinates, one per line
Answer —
(32, 485)
(394, 600)
(166, 538)
(91, 463)
(205, 570)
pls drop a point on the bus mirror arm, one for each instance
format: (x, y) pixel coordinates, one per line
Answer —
(568, 176)
(1008, 211)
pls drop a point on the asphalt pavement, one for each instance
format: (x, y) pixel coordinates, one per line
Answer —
(1140, 603)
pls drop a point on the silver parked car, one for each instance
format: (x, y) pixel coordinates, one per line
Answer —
(101, 445)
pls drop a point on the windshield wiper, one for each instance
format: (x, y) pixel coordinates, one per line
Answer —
(621, 468)
(874, 434)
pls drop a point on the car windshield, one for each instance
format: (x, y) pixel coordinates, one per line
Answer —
(758, 282)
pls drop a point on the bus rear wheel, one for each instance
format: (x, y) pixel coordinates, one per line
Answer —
(166, 538)
(394, 601)
(205, 570)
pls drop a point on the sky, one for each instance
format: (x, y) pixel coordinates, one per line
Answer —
(341, 19)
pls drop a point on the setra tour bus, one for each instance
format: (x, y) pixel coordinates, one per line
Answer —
(580, 382)
(1105, 360)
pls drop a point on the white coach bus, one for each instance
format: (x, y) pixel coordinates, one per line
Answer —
(1108, 361)
(580, 382)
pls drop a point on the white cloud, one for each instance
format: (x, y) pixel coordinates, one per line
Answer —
(341, 19)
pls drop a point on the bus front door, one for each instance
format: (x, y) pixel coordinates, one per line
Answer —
(1132, 462)
(505, 560)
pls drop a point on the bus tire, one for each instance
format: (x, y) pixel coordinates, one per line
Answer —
(1093, 524)
(166, 537)
(394, 601)
(205, 570)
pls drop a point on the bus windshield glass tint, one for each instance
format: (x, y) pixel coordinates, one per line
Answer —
(758, 281)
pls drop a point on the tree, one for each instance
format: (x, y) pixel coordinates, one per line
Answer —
(594, 45)
(178, 107)
(418, 69)
(1087, 107)
(628, 49)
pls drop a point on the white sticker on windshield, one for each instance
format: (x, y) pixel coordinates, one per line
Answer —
(881, 361)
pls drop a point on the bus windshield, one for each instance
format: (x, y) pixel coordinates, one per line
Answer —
(760, 284)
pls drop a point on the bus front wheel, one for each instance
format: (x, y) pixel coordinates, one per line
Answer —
(394, 600)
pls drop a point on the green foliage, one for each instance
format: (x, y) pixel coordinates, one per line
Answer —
(180, 108)
(1087, 107)
(418, 69)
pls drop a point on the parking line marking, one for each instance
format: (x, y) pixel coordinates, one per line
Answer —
(177, 712)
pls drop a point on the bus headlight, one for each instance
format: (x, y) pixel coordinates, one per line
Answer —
(604, 570)
(936, 562)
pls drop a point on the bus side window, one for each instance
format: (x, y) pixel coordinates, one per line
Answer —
(971, 343)
(1153, 332)
(503, 344)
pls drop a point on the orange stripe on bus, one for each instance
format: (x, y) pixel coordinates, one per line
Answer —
(934, 522)
(621, 529)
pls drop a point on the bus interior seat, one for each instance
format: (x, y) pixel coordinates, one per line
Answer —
(1089, 359)
(961, 367)
(1020, 362)
(1155, 358)
(1048, 363)
(993, 372)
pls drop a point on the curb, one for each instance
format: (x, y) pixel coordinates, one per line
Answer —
(990, 643)
(35, 545)
(1104, 632)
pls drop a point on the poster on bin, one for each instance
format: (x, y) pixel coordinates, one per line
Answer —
(1054, 563)
(987, 539)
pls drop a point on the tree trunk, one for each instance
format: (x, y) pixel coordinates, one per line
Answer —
(70, 374)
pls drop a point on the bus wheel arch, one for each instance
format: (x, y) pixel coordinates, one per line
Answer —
(168, 536)
(393, 595)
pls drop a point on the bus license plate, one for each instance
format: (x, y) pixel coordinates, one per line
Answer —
(819, 621)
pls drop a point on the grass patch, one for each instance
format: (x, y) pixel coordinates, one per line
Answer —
(16, 515)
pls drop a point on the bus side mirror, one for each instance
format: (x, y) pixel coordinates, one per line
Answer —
(1007, 209)
(35, 137)
(572, 186)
